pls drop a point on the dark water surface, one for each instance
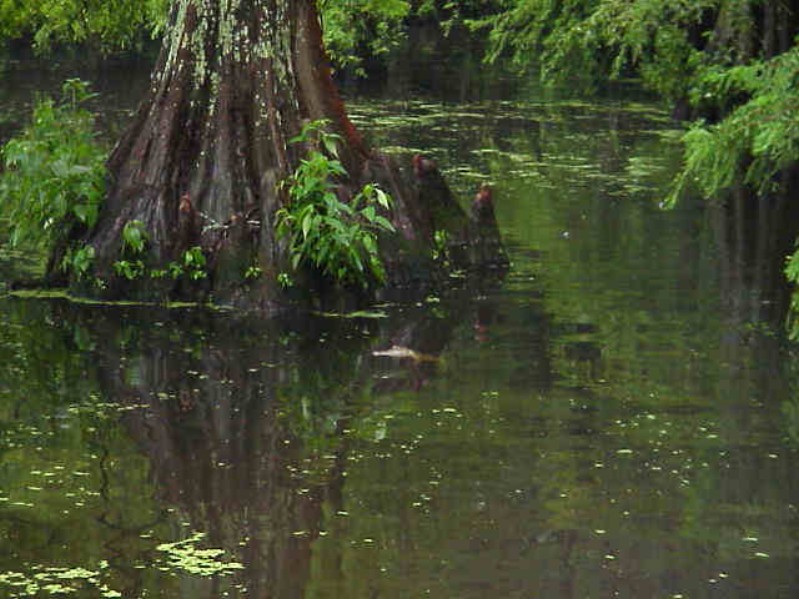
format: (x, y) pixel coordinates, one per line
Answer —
(617, 419)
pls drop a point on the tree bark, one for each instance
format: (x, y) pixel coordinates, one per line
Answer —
(202, 162)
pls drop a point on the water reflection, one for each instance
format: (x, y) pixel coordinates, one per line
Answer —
(247, 426)
(754, 235)
(565, 436)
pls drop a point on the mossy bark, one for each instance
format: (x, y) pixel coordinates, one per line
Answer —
(202, 162)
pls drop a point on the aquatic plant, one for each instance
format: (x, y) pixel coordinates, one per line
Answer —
(44, 581)
(186, 556)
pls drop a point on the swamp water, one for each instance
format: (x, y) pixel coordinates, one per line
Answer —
(617, 418)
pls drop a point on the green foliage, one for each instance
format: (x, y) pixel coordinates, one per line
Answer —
(756, 140)
(792, 273)
(472, 14)
(129, 269)
(338, 238)
(441, 246)
(131, 266)
(134, 238)
(358, 27)
(546, 34)
(285, 280)
(253, 272)
(80, 261)
(685, 50)
(590, 40)
(54, 178)
(352, 29)
(194, 264)
(792, 267)
(134, 243)
(116, 24)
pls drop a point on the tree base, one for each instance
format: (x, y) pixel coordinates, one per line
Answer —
(436, 242)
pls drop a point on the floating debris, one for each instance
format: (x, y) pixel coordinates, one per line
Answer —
(405, 353)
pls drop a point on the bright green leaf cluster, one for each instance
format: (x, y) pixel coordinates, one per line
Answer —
(757, 139)
(134, 237)
(792, 273)
(131, 266)
(194, 263)
(116, 24)
(54, 179)
(338, 238)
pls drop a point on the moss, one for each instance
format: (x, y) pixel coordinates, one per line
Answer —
(173, 38)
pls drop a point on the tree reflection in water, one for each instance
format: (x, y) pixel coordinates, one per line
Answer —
(246, 424)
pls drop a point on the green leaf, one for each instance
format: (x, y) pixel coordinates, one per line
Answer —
(385, 224)
(307, 223)
(331, 146)
(383, 198)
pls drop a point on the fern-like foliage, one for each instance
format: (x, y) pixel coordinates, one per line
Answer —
(756, 140)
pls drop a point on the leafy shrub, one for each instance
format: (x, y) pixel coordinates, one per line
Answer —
(131, 264)
(134, 238)
(80, 260)
(338, 238)
(194, 263)
(253, 272)
(129, 269)
(54, 177)
(134, 241)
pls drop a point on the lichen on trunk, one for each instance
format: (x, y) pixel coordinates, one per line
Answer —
(202, 162)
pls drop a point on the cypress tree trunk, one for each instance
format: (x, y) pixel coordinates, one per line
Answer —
(202, 162)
